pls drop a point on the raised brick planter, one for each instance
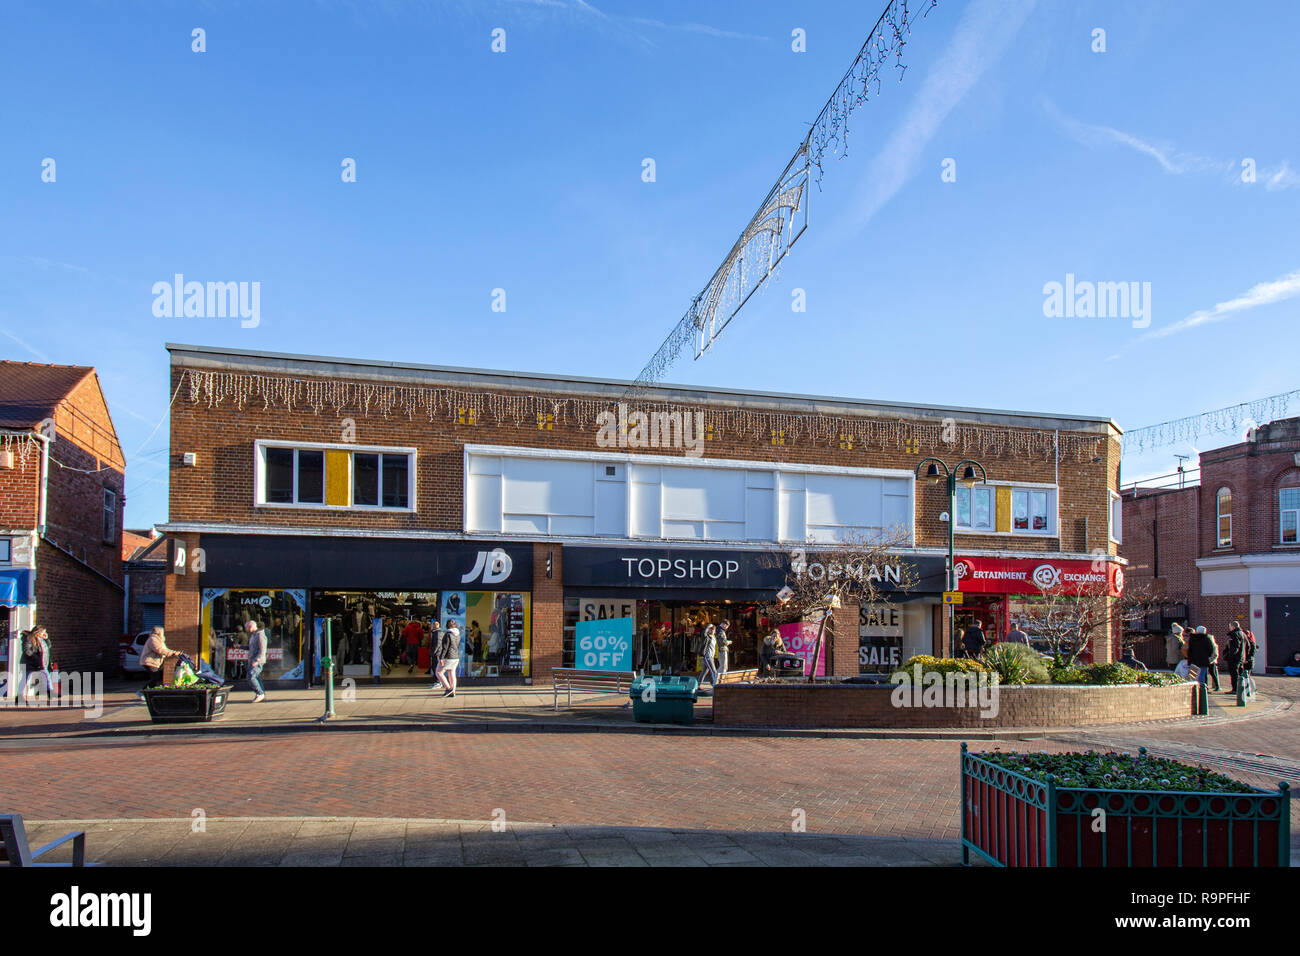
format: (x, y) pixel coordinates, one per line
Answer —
(867, 705)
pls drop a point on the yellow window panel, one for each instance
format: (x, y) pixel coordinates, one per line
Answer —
(338, 490)
(1003, 520)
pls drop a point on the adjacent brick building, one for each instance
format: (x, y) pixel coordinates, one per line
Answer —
(61, 505)
(306, 489)
(144, 569)
(1231, 544)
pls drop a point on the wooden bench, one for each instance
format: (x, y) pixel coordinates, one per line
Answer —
(598, 682)
(736, 677)
(15, 851)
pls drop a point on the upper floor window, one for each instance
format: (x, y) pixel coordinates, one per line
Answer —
(1223, 509)
(1005, 509)
(975, 507)
(333, 476)
(110, 515)
(1116, 518)
(519, 491)
(1289, 514)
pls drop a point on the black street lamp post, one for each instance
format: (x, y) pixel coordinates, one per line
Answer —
(963, 472)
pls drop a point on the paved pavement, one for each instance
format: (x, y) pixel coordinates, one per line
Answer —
(896, 793)
(317, 842)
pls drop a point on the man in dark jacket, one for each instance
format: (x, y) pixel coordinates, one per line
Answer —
(1199, 651)
(1234, 654)
(973, 640)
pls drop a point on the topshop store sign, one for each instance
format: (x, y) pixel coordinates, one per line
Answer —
(697, 568)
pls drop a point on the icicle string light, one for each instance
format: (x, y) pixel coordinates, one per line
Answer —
(213, 389)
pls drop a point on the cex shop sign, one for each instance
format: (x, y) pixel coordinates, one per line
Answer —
(1030, 576)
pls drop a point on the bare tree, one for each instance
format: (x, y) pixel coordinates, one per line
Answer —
(1068, 620)
(820, 577)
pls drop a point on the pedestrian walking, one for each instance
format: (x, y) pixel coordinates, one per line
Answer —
(1016, 635)
(724, 645)
(1199, 650)
(152, 656)
(449, 658)
(1175, 646)
(257, 648)
(412, 635)
(973, 639)
(36, 661)
(708, 668)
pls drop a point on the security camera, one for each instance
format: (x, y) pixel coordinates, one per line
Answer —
(943, 516)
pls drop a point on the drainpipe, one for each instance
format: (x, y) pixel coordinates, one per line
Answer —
(45, 482)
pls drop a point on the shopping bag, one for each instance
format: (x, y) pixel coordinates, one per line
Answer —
(184, 676)
(1182, 670)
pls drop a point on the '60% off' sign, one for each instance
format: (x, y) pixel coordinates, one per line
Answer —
(604, 645)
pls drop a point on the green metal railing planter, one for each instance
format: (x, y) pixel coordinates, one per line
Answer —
(1011, 819)
(175, 705)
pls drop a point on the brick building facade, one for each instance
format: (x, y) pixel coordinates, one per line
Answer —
(1230, 544)
(61, 506)
(306, 488)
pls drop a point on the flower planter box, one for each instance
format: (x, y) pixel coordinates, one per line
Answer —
(1010, 819)
(174, 705)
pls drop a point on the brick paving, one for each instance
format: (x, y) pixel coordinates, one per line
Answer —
(847, 787)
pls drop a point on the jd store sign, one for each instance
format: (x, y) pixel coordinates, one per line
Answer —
(371, 564)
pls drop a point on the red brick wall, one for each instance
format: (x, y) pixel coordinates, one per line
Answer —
(20, 488)
(219, 488)
(548, 613)
(81, 610)
(1254, 471)
(182, 615)
(1167, 520)
(860, 705)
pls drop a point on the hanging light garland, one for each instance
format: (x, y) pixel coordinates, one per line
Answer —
(782, 216)
(1234, 418)
(774, 429)
(22, 444)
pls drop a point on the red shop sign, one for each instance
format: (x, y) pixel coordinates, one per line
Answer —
(1034, 576)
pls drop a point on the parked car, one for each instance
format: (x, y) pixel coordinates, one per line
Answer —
(128, 654)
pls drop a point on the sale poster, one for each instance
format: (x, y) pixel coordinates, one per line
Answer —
(604, 645)
(800, 639)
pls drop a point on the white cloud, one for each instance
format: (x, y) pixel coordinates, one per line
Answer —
(1173, 161)
(985, 30)
(1263, 293)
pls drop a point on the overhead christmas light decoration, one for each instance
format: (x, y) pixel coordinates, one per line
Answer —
(782, 216)
(1231, 419)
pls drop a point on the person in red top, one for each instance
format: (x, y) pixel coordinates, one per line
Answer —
(412, 634)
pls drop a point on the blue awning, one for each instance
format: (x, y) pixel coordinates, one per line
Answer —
(14, 587)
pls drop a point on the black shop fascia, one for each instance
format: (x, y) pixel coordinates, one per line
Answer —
(673, 593)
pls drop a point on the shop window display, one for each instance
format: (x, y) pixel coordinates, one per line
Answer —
(397, 626)
(279, 612)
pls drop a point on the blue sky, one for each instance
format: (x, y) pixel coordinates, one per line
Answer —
(522, 171)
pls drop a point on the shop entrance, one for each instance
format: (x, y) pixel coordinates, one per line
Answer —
(670, 634)
(389, 634)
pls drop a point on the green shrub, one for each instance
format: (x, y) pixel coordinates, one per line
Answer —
(942, 665)
(1116, 771)
(1015, 664)
(1112, 673)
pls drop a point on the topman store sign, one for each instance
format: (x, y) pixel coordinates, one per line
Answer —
(742, 570)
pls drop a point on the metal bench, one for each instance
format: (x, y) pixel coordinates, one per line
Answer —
(598, 682)
(15, 851)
